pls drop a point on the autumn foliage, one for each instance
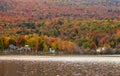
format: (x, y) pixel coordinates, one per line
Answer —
(62, 25)
(37, 43)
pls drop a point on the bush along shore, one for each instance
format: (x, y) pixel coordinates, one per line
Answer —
(108, 51)
(34, 44)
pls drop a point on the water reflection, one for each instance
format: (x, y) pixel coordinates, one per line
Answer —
(58, 68)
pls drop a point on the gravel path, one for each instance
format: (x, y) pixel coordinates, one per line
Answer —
(60, 65)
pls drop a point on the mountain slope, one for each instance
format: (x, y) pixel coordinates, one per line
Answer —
(40, 9)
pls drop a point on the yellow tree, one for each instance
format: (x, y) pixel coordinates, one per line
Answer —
(45, 47)
(6, 41)
(2, 43)
(33, 42)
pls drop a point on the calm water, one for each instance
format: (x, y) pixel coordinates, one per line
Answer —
(59, 66)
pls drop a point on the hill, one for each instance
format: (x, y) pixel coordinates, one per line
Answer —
(86, 24)
(43, 9)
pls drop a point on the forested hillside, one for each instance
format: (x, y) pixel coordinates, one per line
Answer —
(85, 25)
(41, 9)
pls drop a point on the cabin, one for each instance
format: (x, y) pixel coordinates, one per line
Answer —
(101, 49)
(51, 51)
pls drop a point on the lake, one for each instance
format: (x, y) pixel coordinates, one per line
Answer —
(60, 65)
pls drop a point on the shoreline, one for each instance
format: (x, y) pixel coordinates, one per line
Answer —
(83, 58)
